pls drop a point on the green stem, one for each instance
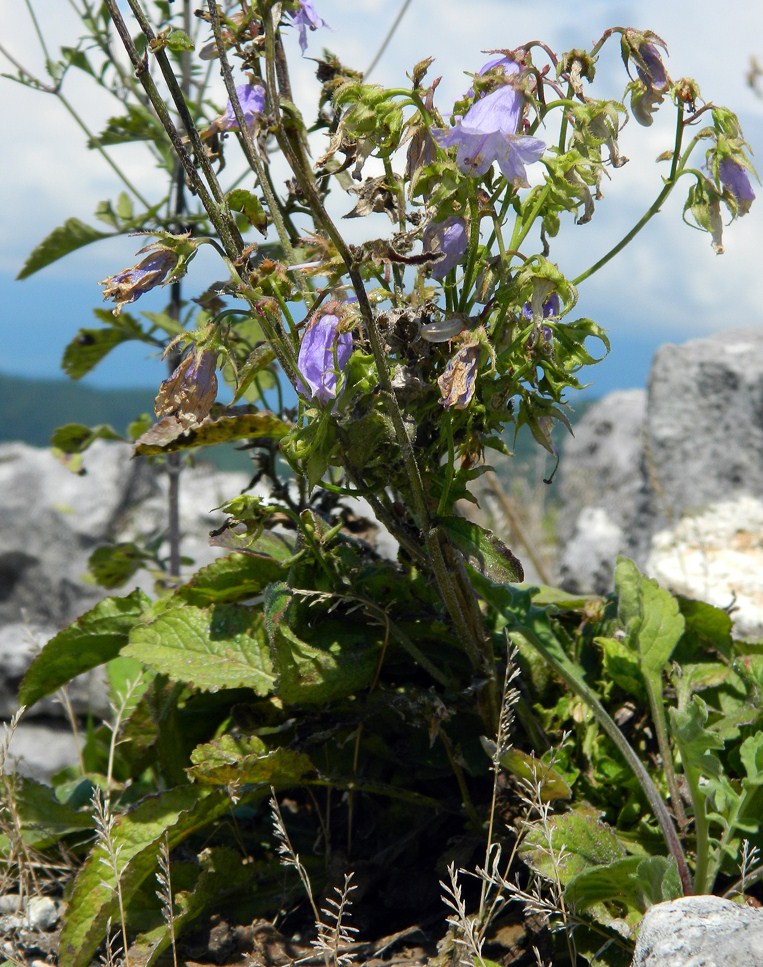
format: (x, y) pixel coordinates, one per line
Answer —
(654, 208)
(657, 708)
(609, 726)
(701, 833)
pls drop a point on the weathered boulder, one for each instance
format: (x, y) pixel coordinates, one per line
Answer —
(674, 479)
(700, 931)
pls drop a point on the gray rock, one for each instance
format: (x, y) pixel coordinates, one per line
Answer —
(700, 931)
(39, 751)
(601, 487)
(42, 913)
(704, 424)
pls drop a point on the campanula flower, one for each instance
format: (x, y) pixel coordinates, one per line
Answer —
(488, 132)
(306, 19)
(129, 284)
(736, 182)
(191, 390)
(448, 237)
(323, 355)
(252, 100)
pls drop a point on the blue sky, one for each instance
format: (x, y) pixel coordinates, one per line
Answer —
(668, 288)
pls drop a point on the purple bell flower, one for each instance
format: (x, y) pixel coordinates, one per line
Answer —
(652, 70)
(306, 19)
(323, 355)
(448, 237)
(488, 133)
(735, 180)
(252, 100)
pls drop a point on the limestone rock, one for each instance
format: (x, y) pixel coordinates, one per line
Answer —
(700, 931)
(716, 555)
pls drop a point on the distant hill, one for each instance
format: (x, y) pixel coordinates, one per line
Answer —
(31, 409)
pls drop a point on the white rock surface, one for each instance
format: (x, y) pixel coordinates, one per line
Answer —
(700, 931)
(716, 555)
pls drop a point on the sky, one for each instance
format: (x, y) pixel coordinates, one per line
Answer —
(668, 287)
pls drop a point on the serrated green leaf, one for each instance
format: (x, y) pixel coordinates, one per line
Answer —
(695, 742)
(650, 616)
(136, 835)
(578, 840)
(76, 437)
(621, 665)
(220, 646)
(95, 638)
(89, 347)
(248, 760)
(338, 660)
(234, 577)
(70, 236)
(483, 550)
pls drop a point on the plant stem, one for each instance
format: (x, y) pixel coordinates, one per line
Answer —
(609, 726)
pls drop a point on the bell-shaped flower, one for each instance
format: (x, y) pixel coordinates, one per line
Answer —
(306, 19)
(251, 97)
(129, 284)
(323, 356)
(642, 49)
(551, 305)
(449, 238)
(736, 182)
(488, 133)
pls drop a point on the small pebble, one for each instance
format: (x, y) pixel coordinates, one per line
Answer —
(42, 913)
(10, 903)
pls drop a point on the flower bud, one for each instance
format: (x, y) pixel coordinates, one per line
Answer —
(449, 237)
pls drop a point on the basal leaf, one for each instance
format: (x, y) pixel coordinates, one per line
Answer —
(247, 759)
(43, 819)
(70, 236)
(650, 616)
(551, 784)
(483, 550)
(95, 638)
(338, 659)
(579, 840)
(214, 647)
(136, 835)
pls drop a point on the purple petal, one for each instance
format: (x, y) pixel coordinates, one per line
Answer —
(448, 237)
(317, 367)
(735, 179)
(252, 100)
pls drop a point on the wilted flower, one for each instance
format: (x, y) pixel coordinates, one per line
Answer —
(190, 391)
(306, 18)
(129, 284)
(449, 237)
(252, 100)
(736, 182)
(323, 355)
(487, 132)
(458, 381)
